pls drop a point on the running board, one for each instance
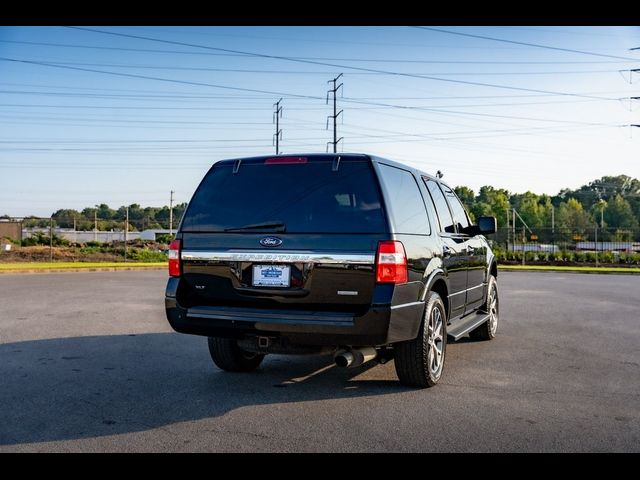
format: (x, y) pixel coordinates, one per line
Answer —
(466, 324)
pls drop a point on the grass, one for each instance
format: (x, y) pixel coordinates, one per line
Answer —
(552, 268)
(75, 265)
(8, 267)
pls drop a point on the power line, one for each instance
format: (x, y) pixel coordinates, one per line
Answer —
(313, 97)
(315, 72)
(291, 59)
(548, 47)
(453, 105)
(339, 59)
(146, 77)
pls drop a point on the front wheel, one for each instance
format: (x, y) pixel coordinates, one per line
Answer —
(488, 329)
(419, 362)
(228, 356)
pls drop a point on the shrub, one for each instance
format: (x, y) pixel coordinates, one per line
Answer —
(145, 255)
(556, 256)
(607, 257)
(164, 238)
(40, 238)
(89, 250)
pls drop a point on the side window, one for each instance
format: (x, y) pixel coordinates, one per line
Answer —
(440, 204)
(459, 214)
(405, 201)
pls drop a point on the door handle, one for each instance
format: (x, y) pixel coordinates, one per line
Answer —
(446, 251)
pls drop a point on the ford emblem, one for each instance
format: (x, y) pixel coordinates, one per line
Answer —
(271, 242)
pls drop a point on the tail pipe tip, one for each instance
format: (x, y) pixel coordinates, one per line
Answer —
(354, 357)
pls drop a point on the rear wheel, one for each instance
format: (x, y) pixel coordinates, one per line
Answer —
(419, 362)
(227, 355)
(488, 329)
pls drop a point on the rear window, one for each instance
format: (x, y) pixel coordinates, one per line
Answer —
(306, 197)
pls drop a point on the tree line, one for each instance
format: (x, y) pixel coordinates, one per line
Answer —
(110, 219)
(611, 203)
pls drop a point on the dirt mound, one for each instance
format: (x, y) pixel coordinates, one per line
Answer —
(60, 254)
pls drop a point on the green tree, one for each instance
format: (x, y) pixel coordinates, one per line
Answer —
(572, 217)
(529, 208)
(492, 202)
(467, 197)
(65, 217)
(618, 214)
(104, 212)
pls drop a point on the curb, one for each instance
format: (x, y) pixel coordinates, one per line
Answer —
(76, 270)
(552, 270)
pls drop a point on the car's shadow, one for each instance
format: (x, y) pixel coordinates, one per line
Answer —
(73, 388)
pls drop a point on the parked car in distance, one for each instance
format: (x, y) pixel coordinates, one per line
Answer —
(351, 255)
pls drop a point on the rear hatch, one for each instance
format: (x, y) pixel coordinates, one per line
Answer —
(284, 233)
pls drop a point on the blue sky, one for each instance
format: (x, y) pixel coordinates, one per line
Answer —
(516, 116)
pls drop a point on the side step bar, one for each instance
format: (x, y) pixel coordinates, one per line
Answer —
(464, 325)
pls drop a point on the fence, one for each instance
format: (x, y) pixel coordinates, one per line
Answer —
(566, 246)
(593, 239)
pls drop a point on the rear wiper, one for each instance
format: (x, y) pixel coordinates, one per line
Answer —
(276, 226)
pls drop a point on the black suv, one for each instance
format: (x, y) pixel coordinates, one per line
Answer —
(353, 255)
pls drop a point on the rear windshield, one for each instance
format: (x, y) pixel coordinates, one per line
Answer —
(302, 197)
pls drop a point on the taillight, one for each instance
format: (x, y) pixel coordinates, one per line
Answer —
(285, 160)
(391, 262)
(174, 258)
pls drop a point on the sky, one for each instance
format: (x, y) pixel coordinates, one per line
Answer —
(123, 115)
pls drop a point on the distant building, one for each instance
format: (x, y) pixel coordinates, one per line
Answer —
(152, 234)
(10, 230)
(89, 236)
(84, 236)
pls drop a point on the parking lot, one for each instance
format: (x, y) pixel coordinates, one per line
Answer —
(88, 362)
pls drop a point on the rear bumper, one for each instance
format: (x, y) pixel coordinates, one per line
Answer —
(303, 328)
(380, 325)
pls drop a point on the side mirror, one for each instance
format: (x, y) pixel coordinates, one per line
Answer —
(487, 225)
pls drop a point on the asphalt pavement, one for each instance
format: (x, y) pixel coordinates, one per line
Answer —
(89, 363)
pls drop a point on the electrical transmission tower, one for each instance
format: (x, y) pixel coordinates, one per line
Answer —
(335, 115)
(277, 115)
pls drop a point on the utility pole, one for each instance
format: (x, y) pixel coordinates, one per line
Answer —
(335, 115)
(524, 242)
(277, 115)
(553, 228)
(596, 240)
(51, 239)
(508, 227)
(171, 213)
(513, 227)
(126, 232)
(95, 225)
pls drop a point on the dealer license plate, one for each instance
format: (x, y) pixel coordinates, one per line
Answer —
(271, 275)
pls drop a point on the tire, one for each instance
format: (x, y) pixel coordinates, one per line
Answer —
(488, 329)
(420, 362)
(226, 354)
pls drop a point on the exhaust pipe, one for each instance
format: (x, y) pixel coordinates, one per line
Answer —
(354, 357)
